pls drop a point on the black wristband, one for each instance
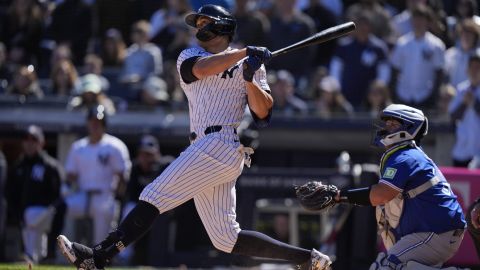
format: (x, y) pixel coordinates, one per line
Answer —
(358, 196)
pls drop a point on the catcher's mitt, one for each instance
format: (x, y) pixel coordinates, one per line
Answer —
(316, 196)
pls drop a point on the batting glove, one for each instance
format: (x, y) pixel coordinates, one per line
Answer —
(250, 65)
(262, 53)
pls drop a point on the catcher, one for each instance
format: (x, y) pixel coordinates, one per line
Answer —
(418, 216)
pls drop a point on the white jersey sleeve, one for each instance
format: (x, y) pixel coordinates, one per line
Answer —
(71, 164)
(120, 158)
(186, 54)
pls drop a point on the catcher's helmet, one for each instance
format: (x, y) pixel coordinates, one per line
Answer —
(414, 125)
(223, 22)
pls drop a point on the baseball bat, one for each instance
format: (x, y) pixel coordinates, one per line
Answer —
(320, 37)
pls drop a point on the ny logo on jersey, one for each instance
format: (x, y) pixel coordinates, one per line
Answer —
(229, 72)
(103, 158)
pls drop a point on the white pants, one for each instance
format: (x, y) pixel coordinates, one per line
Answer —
(34, 234)
(206, 171)
(102, 211)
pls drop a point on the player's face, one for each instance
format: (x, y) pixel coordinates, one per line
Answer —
(95, 127)
(202, 21)
(31, 145)
(203, 35)
(392, 125)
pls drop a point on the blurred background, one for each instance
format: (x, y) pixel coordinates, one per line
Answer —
(60, 58)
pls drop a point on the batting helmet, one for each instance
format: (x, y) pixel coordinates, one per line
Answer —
(223, 22)
(414, 125)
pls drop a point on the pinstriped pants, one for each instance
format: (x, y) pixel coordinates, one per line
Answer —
(206, 171)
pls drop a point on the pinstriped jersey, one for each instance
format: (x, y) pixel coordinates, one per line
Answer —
(219, 99)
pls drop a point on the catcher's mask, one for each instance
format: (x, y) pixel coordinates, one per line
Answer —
(413, 125)
(223, 23)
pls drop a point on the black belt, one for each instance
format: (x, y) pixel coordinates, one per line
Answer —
(208, 130)
(212, 129)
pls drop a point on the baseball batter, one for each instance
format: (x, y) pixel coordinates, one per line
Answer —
(219, 82)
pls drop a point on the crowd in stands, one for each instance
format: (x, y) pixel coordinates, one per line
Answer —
(415, 52)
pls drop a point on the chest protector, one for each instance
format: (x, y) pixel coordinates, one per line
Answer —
(388, 215)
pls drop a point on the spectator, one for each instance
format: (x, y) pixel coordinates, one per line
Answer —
(180, 41)
(378, 98)
(34, 187)
(417, 63)
(25, 84)
(323, 19)
(113, 49)
(289, 25)
(447, 94)
(402, 22)
(464, 9)
(96, 167)
(72, 23)
(314, 82)
(93, 64)
(59, 52)
(178, 99)
(359, 60)
(116, 14)
(252, 25)
(335, 6)
(330, 102)
(381, 26)
(148, 164)
(465, 111)
(64, 78)
(21, 30)
(90, 95)
(283, 89)
(143, 58)
(154, 92)
(456, 58)
(164, 23)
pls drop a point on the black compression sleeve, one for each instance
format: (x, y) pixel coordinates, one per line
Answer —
(358, 196)
(186, 70)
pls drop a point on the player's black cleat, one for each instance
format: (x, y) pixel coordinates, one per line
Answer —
(79, 255)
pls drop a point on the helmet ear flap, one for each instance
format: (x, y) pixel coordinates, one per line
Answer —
(421, 132)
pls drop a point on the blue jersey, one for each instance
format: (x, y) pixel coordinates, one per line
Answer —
(437, 210)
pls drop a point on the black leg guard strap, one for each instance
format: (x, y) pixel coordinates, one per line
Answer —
(252, 243)
(134, 226)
